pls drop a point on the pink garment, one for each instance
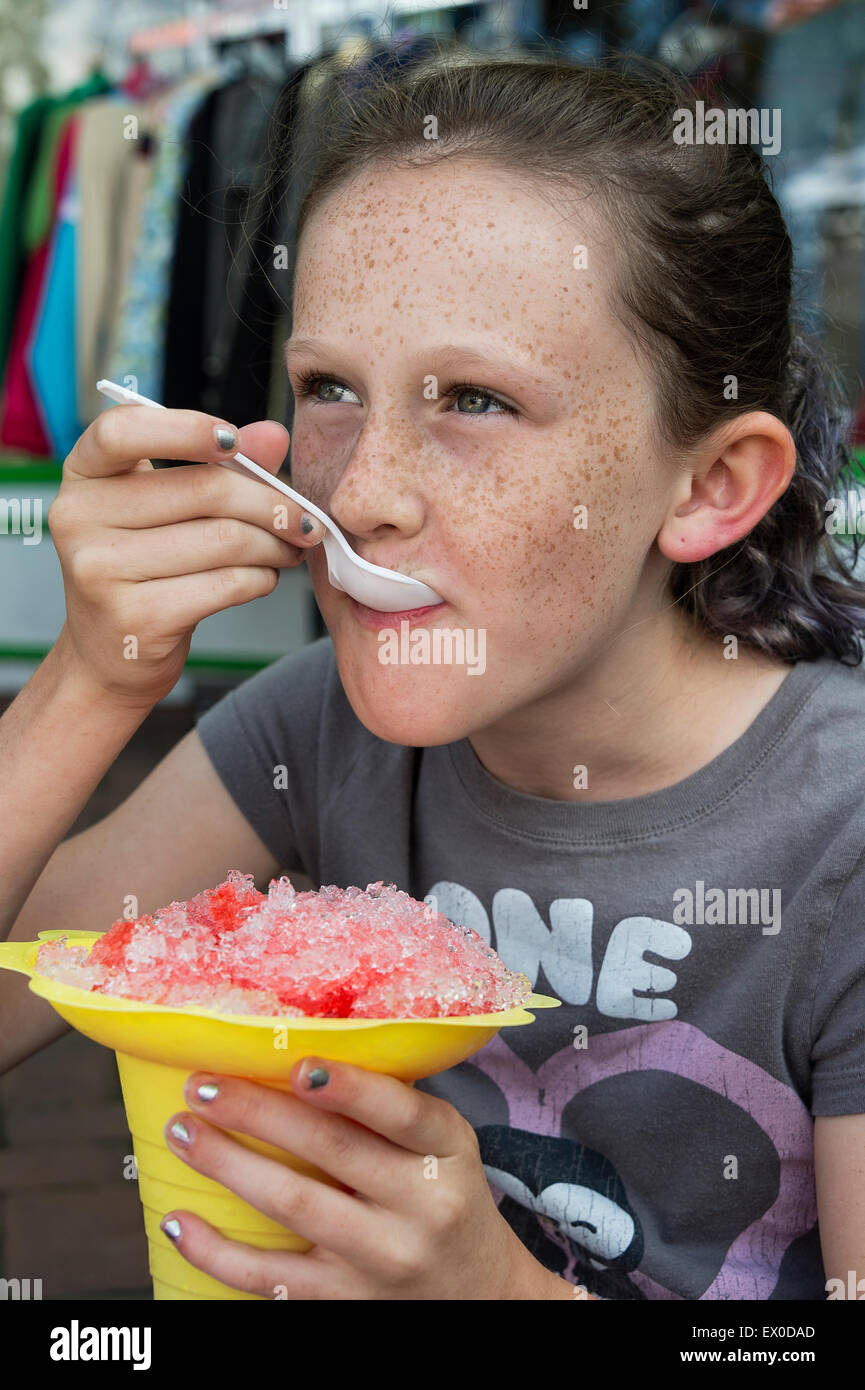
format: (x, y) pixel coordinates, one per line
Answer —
(20, 418)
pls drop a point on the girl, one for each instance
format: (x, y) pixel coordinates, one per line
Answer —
(542, 360)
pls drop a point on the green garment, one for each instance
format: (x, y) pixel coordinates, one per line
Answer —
(12, 254)
(38, 210)
(28, 196)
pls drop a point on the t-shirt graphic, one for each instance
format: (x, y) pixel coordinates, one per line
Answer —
(556, 1191)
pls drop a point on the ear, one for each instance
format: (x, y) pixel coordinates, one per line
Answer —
(731, 483)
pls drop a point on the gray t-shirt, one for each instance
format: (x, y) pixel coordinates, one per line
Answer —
(653, 1137)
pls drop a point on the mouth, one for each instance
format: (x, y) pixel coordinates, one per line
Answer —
(375, 620)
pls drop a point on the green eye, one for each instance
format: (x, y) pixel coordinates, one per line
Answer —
(309, 382)
(478, 394)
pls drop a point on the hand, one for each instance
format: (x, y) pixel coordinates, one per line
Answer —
(147, 553)
(415, 1218)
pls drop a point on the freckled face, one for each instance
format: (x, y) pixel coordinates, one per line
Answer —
(472, 490)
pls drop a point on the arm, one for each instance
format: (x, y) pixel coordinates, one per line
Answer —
(146, 554)
(839, 1170)
(179, 830)
(57, 739)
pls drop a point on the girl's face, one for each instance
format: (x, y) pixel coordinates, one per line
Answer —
(479, 421)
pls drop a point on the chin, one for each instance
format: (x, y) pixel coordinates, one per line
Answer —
(416, 706)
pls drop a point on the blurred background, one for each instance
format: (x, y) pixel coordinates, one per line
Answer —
(135, 142)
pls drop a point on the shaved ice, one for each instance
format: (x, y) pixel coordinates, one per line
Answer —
(335, 953)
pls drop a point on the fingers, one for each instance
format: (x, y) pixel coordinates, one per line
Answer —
(149, 499)
(139, 497)
(119, 437)
(310, 1207)
(168, 495)
(266, 442)
(190, 597)
(415, 1121)
(347, 1151)
(191, 547)
(274, 1274)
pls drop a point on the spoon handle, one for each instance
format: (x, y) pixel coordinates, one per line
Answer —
(262, 473)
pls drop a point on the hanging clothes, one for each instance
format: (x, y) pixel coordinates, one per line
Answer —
(40, 205)
(227, 138)
(13, 256)
(22, 424)
(114, 163)
(154, 242)
(31, 198)
(139, 346)
(51, 351)
(230, 363)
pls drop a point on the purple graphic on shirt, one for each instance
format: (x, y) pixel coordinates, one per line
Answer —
(750, 1269)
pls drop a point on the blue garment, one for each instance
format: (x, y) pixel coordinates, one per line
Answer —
(51, 353)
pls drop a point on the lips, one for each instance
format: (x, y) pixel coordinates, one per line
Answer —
(374, 619)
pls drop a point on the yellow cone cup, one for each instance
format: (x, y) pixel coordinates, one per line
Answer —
(157, 1047)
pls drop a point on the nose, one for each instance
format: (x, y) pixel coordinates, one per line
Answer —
(382, 486)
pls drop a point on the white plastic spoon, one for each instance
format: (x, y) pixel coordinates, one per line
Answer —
(375, 587)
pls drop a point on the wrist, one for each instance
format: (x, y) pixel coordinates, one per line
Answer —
(77, 684)
(549, 1286)
(530, 1280)
(565, 1290)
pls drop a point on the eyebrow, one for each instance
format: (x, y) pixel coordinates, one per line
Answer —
(456, 356)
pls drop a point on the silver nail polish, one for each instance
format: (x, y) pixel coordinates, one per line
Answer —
(208, 1090)
(172, 1228)
(180, 1132)
(226, 439)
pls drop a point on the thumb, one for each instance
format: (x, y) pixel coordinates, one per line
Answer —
(265, 442)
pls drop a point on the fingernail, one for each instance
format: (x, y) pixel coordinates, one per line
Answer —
(180, 1133)
(310, 526)
(317, 1077)
(208, 1090)
(226, 439)
(171, 1228)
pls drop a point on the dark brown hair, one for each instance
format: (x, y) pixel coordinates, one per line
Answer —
(703, 284)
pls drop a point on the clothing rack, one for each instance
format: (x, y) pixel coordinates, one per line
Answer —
(305, 30)
(200, 39)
